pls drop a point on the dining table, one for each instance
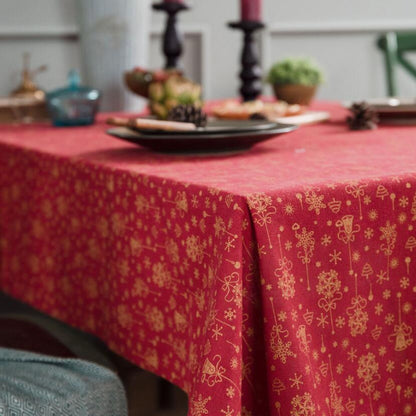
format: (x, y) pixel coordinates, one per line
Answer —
(272, 282)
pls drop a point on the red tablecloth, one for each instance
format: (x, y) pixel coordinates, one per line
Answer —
(280, 281)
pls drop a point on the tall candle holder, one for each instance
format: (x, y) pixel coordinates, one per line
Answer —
(172, 40)
(250, 74)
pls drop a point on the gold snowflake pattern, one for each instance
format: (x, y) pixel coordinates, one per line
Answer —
(346, 232)
(335, 399)
(314, 201)
(328, 287)
(262, 207)
(368, 372)
(286, 279)
(389, 236)
(280, 349)
(357, 191)
(307, 242)
(358, 317)
(302, 405)
(198, 406)
(194, 248)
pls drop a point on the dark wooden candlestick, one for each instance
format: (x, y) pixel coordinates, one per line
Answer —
(250, 74)
(172, 40)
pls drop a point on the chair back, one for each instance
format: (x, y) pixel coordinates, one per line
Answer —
(395, 45)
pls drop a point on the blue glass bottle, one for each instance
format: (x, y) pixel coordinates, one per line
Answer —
(74, 105)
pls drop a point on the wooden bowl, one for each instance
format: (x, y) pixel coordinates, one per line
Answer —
(294, 93)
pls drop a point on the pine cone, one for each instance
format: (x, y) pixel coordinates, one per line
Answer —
(363, 117)
(257, 116)
(188, 114)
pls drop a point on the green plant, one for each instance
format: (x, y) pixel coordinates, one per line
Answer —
(301, 71)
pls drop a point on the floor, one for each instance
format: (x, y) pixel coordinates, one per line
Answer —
(148, 395)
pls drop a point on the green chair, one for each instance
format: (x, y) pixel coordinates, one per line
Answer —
(395, 45)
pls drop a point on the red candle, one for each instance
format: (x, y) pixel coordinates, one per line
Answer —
(251, 10)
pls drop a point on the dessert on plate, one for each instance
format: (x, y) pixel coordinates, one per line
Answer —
(235, 110)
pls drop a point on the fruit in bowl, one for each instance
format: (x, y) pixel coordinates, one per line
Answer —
(164, 95)
(139, 79)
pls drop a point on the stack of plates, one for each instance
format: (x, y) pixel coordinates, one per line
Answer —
(217, 137)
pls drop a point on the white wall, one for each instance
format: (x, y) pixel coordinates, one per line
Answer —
(339, 34)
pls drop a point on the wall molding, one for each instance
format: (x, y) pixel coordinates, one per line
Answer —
(329, 28)
(347, 26)
(72, 32)
(21, 32)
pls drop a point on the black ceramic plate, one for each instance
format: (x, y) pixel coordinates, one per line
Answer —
(215, 142)
(216, 126)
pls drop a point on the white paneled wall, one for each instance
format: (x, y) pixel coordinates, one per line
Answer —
(339, 34)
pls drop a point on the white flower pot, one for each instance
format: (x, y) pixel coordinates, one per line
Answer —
(114, 38)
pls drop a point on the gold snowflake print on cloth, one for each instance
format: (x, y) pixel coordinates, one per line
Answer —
(180, 202)
(194, 248)
(231, 285)
(358, 317)
(402, 335)
(357, 191)
(213, 372)
(198, 406)
(161, 275)
(286, 279)
(368, 372)
(261, 204)
(155, 318)
(307, 243)
(302, 405)
(346, 233)
(314, 201)
(279, 347)
(328, 287)
(388, 236)
(334, 401)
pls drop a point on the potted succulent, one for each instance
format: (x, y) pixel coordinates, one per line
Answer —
(295, 80)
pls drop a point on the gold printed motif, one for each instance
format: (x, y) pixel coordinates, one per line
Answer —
(198, 406)
(302, 405)
(314, 201)
(346, 233)
(358, 317)
(357, 191)
(368, 372)
(410, 243)
(232, 286)
(389, 235)
(402, 335)
(278, 386)
(334, 402)
(329, 286)
(215, 373)
(280, 349)
(307, 242)
(413, 209)
(286, 279)
(263, 210)
(350, 406)
(334, 206)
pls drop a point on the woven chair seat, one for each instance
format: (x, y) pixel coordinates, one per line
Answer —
(41, 373)
(34, 384)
